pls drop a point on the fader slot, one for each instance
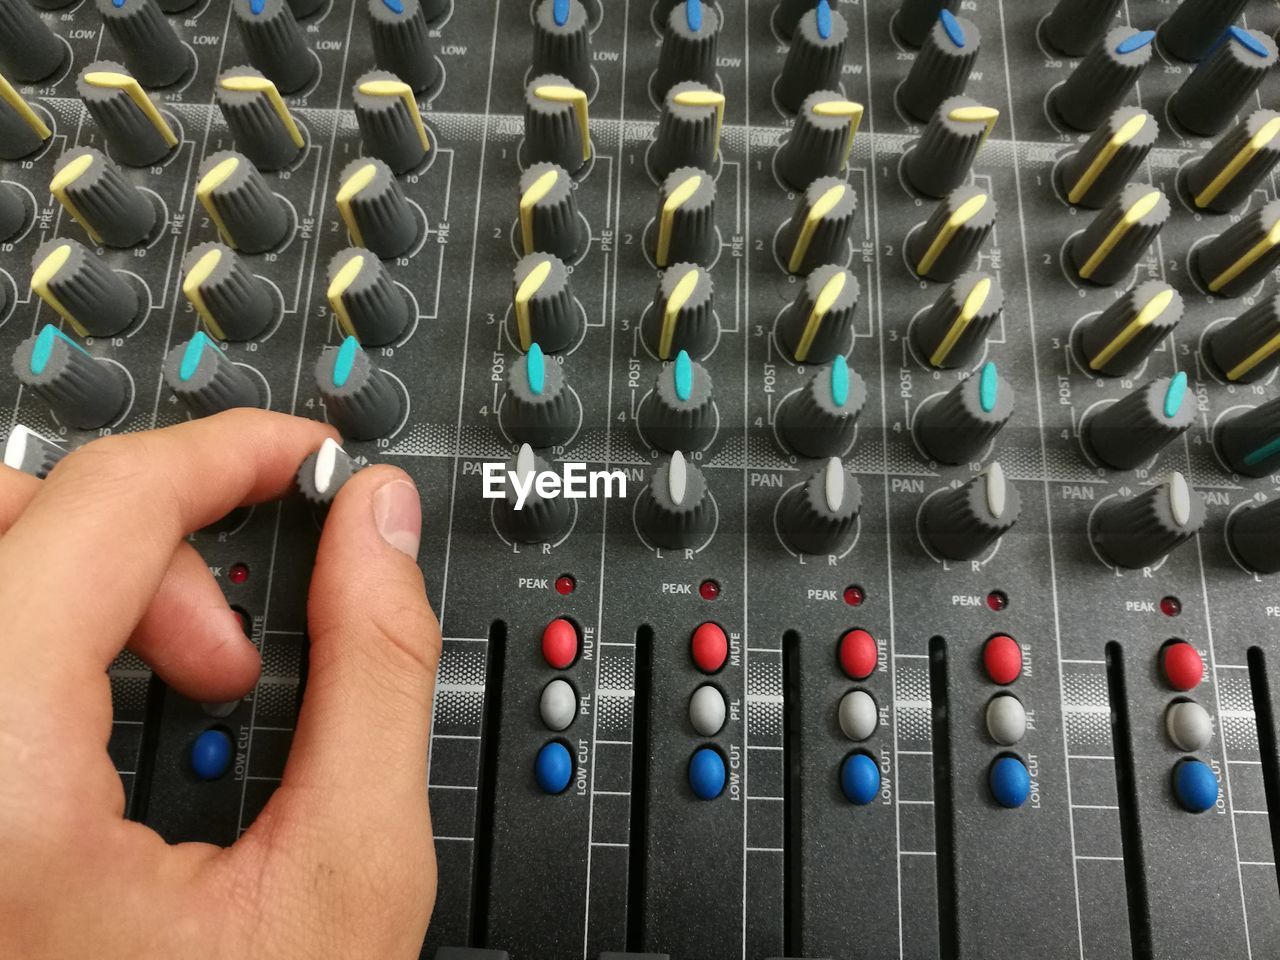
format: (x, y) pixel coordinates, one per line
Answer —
(1263, 679)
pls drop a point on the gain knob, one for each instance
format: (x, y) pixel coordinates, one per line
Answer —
(1216, 90)
(1118, 237)
(1074, 26)
(821, 418)
(1100, 169)
(369, 306)
(1226, 176)
(549, 218)
(1250, 442)
(78, 286)
(259, 120)
(688, 46)
(562, 42)
(274, 42)
(22, 131)
(402, 43)
(1120, 339)
(1237, 260)
(959, 426)
(688, 130)
(557, 126)
(29, 50)
(941, 159)
(676, 511)
(249, 217)
(130, 123)
(915, 18)
(1130, 432)
(82, 391)
(683, 315)
(678, 413)
(966, 522)
(206, 381)
(821, 516)
(374, 209)
(230, 301)
(1104, 79)
(954, 331)
(360, 399)
(1253, 535)
(148, 44)
(686, 219)
(1141, 530)
(941, 68)
(391, 126)
(818, 325)
(112, 211)
(539, 408)
(324, 473)
(815, 59)
(523, 513)
(1195, 26)
(1247, 349)
(821, 139)
(31, 453)
(948, 242)
(818, 232)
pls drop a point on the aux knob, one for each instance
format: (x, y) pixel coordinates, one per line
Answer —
(1120, 339)
(78, 286)
(360, 399)
(549, 218)
(1073, 27)
(1118, 237)
(369, 306)
(1238, 259)
(816, 57)
(148, 43)
(22, 131)
(230, 301)
(248, 216)
(402, 43)
(536, 519)
(946, 245)
(966, 522)
(206, 380)
(374, 209)
(82, 391)
(1253, 535)
(1226, 176)
(954, 330)
(821, 516)
(562, 42)
(819, 230)
(539, 408)
(1195, 26)
(132, 126)
(1250, 442)
(274, 42)
(915, 18)
(259, 120)
(688, 46)
(676, 511)
(29, 50)
(391, 126)
(1216, 90)
(324, 473)
(545, 310)
(821, 418)
(955, 133)
(1130, 432)
(959, 426)
(1100, 169)
(686, 219)
(678, 413)
(683, 314)
(941, 68)
(1104, 79)
(557, 125)
(689, 129)
(818, 324)
(1247, 349)
(1141, 530)
(821, 139)
(112, 211)
(31, 453)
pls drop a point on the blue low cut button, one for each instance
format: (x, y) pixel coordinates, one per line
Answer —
(554, 767)
(1195, 785)
(859, 779)
(706, 774)
(1010, 782)
(211, 754)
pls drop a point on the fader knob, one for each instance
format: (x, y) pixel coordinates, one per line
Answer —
(1247, 349)
(1226, 176)
(821, 418)
(374, 209)
(676, 510)
(678, 414)
(259, 120)
(821, 516)
(686, 220)
(1237, 260)
(557, 126)
(391, 126)
(539, 408)
(815, 59)
(966, 522)
(1250, 441)
(689, 129)
(132, 126)
(402, 42)
(1208, 99)
(549, 218)
(958, 427)
(324, 473)
(947, 243)
(274, 42)
(232, 303)
(942, 157)
(1104, 79)
(206, 380)
(361, 400)
(915, 18)
(1119, 339)
(148, 44)
(941, 68)
(31, 453)
(544, 307)
(1195, 26)
(249, 217)
(1139, 531)
(1100, 169)
(536, 519)
(1111, 246)
(821, 139)
(29, 50)
(22, 130)
(682, 316)
(818, 232)
(1254, 536)
(1129, 433)
(688, 46)
(13, 216)
(77, 284)
(92, 189)
(1074, 26)
(562, 42)
(954, 331)
(818, 324)
(369, 306)
(82, 391)
(787, 14)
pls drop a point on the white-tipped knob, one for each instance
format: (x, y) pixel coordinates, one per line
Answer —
(1179, 499)
(997, 491)
(526, 462)
(326, 463)
(677, 478)
(834, 484)
(15, 449)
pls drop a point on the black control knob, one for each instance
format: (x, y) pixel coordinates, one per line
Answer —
(539, 408)
(249, 217)
(274, 43)
(966, 522)
(549, 218)
(1226, 176)
(29, 50)
(1254, 536)
(676, 511)
(22, 130)
(1238, 259)
(821, 139)
(815, 59)
(689, 129)
(1111, 246)
(1250, 442)
(946, 245)
(685, 224)
(83, 391)
(678, 413)
(1075, 26)
(787, 14)
(941, 68)
(820, 517)
(391, 126)
(528, 517)
(1141, 530)
(132, 126)
(206, 380)
(1105, 78)
(31, 453)
(112, 211)
(1120, 339)
(13, 216)
(374, 209)
(688, 46)
(1247, 349)
(821, 418)
(915, 18)
(1130, 432)
(361, 400)
(402, 43)
(259, 120)
(557, 127)
(1196, 25)
(545, 311)
(562, 42)
(77, 284)
(1215, 92)
(954, 331)
(818, 232)
(148, 44)
(683, 315)
(230, 301)
(818, 324)
(369, 306)
(959, 426)
(1100, 169)
(941, 159)
(324, 473)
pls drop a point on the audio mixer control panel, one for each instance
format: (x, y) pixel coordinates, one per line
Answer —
(847, 431)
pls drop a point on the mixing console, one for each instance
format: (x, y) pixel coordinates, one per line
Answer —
(925, 352)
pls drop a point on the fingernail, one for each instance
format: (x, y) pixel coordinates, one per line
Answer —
(397, 511)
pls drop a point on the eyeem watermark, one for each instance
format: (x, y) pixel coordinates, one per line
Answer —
(574, 482)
